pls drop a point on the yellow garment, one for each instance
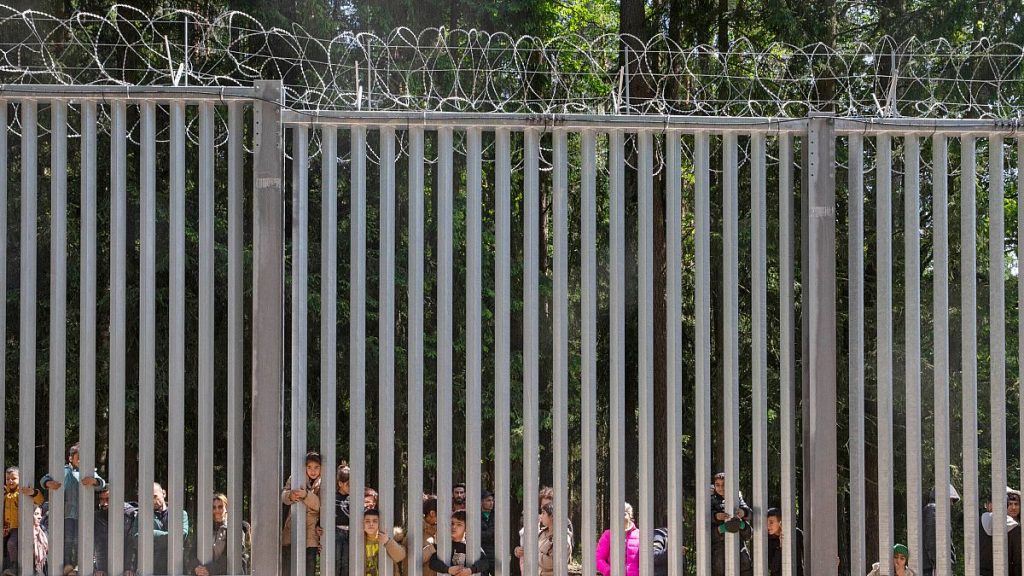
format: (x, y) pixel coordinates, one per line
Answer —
(372, 551)
(11, 506)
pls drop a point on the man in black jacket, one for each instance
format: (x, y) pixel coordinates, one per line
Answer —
(659, 549)
(776, 538)
(487, 527)
(929, 533)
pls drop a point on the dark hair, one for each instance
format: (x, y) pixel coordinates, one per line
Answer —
(459, 485)
(371, 512)
(459, 515)
(719, 475)
(312, 456)
(549, 509)
(343, 472)
(430, 505)
(774, 512)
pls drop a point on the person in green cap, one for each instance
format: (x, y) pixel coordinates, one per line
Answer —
(900, 562)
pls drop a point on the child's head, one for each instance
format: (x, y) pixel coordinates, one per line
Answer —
(371, 522)
(37, 516)
(220, 507)
(545, 496)
(900, 556)
(547, 515)
(312, 465)
(430, 510)
(73, 456)
(11, 477)
(343, 474)
(370, 498)
(458, 525)
(720, 484)
(774, 522)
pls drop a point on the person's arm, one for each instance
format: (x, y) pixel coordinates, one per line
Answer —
(601, 555)
(100, 482)
(46, 479)
(481, 564)
(659, 550)
(395, 550)
(286, 496)
(436, 564)
(312, 501)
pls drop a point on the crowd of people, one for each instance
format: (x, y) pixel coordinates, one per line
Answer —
(460, 561)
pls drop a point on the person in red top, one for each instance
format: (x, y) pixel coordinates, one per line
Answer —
(603, 555)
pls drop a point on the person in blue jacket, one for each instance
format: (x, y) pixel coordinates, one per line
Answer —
(70, 485)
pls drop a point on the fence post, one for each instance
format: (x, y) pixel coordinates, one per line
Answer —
(268, 325)
(819, 347)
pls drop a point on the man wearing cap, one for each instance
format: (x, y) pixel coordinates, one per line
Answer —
(900, 562)
(930, 558)
(989, 522)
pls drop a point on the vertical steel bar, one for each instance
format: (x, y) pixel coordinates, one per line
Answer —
(531, 344)
(300, 299)
(940, 303)
(207, 341)
(357, 348)
(415, 374)
(27, 317)
(858, 499)
(674, 340)
(969, 350)
(759, 343)
(58, 310)
(560, 328)
(386, 392)
(997, 348)
(820, 363)
(730, 304)
(4, 128)
(445, 264)
(87, 347)
(1020, 298)
(502, 347)
(236, 335)
(176, 378)
(474, 338)
(118, 329)
(702, 306)
(147, 334)
(588, 345)
(617, 401)
(328, 346)
(883, 306)
(912, 334)
(645, 264)
(268, 322)
(787, 377)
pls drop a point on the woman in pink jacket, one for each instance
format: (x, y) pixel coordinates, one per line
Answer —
(603, 556)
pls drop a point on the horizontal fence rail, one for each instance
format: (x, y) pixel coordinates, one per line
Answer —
(603, 305)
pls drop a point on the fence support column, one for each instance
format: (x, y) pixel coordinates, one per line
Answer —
(818, 248)
(268, 325)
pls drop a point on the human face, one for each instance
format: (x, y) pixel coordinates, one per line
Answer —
(1013, 506)
(75, 459)
(159, 498)
(900, 561)
(219, 510)
(312, 469)
(720, 486)
(37, 516)
(546, 520)
(343, 487)
(104, 500)
(371, 525)
(459, 494)
(774, 526)
(458, 530)
(487, 504)
(12, 480)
